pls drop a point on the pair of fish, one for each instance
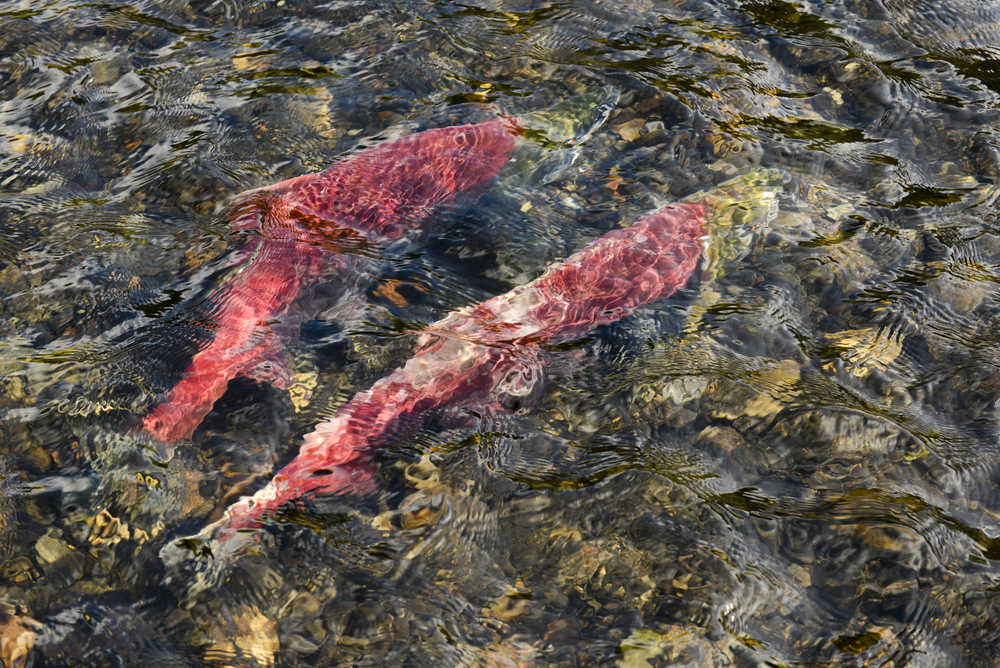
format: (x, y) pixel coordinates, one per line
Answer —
(481, 355)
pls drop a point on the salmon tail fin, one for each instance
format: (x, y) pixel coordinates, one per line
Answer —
(238, 529)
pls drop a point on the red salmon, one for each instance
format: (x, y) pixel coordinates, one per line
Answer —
(487, 351)
(376, 196)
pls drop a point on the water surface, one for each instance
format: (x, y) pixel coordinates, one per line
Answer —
(793, 461)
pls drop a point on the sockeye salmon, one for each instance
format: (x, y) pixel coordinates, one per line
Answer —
(494, 349)
(376, 196)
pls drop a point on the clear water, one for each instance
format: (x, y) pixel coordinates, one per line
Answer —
(792, 461)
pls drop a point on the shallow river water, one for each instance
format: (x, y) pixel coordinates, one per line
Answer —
(793, 460)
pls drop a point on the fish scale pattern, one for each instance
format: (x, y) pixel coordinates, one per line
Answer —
(602, 283)
(388, 190)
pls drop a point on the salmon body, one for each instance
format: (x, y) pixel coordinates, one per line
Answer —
(489, 351)
(302, 227)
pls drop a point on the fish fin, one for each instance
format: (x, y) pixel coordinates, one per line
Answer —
(270, 366)
(522, 381)
(465, 417)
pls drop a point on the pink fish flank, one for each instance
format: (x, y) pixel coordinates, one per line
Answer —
(489, 350)
(302, 224)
